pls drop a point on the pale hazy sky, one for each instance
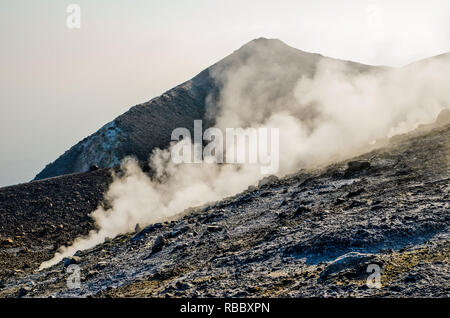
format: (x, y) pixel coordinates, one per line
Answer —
(58, 85)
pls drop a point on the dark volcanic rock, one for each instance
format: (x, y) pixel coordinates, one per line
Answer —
(22, 292)
(138, 131)
(356, 167)
(352, 260)
(267, 180)
(71, 260)
(158, 245)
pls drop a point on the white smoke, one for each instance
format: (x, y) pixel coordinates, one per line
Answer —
(326, 110)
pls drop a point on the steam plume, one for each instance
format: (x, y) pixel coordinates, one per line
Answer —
(326, 110)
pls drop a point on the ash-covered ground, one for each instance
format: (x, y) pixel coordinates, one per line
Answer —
(310, 234)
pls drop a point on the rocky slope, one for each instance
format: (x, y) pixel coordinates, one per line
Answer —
(310, 234)
(37, 217)
(149, 125)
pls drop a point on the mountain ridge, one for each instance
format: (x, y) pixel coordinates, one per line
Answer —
(147, 126)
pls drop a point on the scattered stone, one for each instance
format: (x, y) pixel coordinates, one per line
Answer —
(101, 265)
(91, 273)
(396, 288)
(411, 278)
(351, 260)
(267, 180)
(6, 241)
(179, 230)
(355, 193)
(180, 247)
(22, 292)
(153, 227)
(93, 167)
(78, 253)
(159, 243)
(213, 228)
(376, 207)
(355, 167)
(71, 260)
(183, 285)
(281, 214)
(137, 228)
(355, 204)
(358, 165)
(302, 209)
(146, 230)
(14, 273)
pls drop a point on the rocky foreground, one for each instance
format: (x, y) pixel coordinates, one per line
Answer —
(310, 234)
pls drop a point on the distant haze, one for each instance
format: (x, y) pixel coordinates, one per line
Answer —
(58, 85)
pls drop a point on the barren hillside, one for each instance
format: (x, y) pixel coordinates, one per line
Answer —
(310, 234)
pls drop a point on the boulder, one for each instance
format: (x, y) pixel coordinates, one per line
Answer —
(137, 228)
(214, 228)
(67, 261)
(22, 292)
(351, 261)
(356, 167)
(267, 180)
(159, 243)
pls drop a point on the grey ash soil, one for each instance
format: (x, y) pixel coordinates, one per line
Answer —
(310, 234)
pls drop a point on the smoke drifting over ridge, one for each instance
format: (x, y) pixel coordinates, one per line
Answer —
(326, 110)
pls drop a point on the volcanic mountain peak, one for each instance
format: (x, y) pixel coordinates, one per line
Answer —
(269, 45)
(149, 125)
